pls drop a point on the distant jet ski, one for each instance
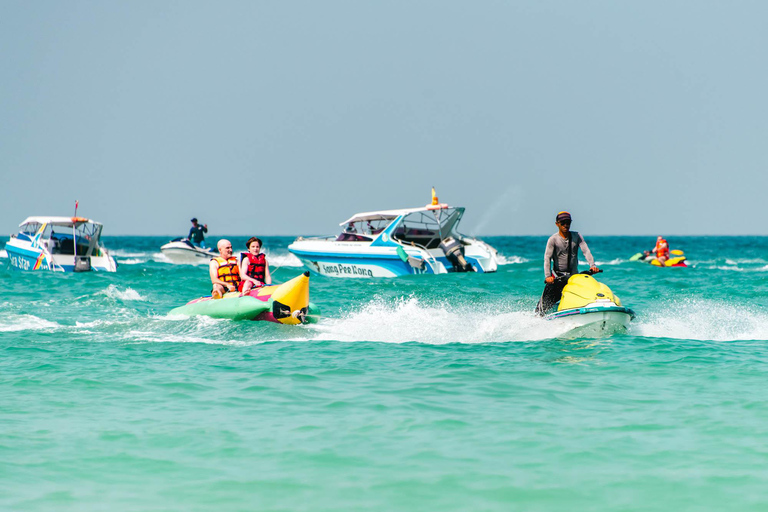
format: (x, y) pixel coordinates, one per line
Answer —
(588, 308)
(677, 259)
(181, 250)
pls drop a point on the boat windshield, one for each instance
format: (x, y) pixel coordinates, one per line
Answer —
(63, 239)
(427, 228)
(363, 231)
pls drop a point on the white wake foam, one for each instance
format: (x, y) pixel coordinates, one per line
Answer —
(510, 260)
(132, 261)
(407, 319)
(282, 259)
(3, 254)
(15, 323)
(113, 292)
(703, 320)
(121, 253)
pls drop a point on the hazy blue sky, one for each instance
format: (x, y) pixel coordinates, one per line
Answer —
(286, 117)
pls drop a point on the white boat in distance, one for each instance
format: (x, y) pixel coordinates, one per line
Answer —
(391, 243)
(182, 251)
(59, 244)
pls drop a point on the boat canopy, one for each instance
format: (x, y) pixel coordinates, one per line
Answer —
(390, 214)
(58, 221)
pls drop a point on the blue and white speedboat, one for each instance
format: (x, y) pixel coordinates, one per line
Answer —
(391, 243)
(59, 244)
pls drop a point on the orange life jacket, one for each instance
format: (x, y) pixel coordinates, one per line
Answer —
(228, 270)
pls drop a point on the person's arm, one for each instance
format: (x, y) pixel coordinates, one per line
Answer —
(548, 258)
(205, 228)
(243, 270)
(213, 270)
(191, 231)
(267, 275)
(586, 252)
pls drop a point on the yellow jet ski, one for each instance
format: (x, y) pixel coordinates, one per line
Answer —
(676, 259)
(587, 307)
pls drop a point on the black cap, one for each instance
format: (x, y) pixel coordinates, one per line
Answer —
(194, 219)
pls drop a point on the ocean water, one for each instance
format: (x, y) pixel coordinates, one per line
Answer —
(422, 393)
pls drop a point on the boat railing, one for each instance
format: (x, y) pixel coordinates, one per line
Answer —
(311, 238)
(427, 255)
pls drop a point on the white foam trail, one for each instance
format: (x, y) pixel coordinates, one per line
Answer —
(132, 261)
(286, 259)
(113, 292)
(511, 260)
(616, 261)
(126, 254)
(408, 320)
(703, 320)
(15, 323)
(3, 254)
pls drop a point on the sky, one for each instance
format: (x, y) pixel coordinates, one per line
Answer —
(285, 118)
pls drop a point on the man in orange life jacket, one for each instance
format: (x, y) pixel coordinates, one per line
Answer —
(254, 269)
(225, 274)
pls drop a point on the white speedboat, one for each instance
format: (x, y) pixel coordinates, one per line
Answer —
(181, 250)
(59, 244)
(589, 308)
(390, 243)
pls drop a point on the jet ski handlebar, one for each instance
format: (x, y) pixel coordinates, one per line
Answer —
(567, 276)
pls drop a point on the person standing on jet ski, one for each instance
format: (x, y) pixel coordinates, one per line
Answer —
(197, 233)
(561, 257)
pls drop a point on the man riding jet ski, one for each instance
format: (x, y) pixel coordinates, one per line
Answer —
(573, 299)
(562, 257)
(661, 256)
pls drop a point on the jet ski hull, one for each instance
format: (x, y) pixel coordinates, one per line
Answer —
(184, 253)
(589, 322)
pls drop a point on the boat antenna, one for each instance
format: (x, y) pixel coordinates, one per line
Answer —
(74, 231)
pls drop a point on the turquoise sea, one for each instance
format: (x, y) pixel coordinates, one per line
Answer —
(429, 393)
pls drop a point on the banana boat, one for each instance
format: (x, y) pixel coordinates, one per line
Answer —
(588, 307)
(286, 303)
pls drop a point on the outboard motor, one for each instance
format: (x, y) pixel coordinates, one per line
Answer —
(454, 251)
(82, 263)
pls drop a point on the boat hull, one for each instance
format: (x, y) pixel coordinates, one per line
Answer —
(23, 256)
(363, 260)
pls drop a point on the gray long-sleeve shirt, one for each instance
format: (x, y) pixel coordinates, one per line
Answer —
(556, 254)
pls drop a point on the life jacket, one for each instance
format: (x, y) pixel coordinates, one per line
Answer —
(257, 266)
(663, 251)
(228, 270)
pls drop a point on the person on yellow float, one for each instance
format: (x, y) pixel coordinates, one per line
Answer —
(224, 271)
(661, 250)
(254, 270)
